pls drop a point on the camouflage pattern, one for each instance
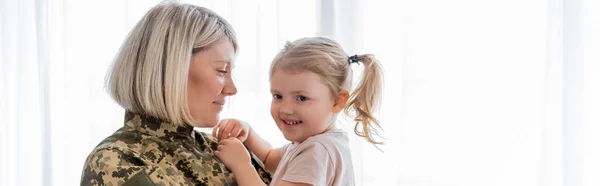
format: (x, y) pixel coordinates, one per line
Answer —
(147, 151)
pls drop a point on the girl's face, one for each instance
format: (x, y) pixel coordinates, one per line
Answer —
(302, 104)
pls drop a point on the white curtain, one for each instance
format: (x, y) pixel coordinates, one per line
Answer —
(477, 92)
(486, 92)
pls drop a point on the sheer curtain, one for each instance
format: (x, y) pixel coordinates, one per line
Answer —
(476, 92)
(486, 92)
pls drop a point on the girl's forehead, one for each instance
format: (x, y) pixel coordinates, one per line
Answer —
(298, 82)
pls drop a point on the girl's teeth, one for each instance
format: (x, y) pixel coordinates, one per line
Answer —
(292, 122)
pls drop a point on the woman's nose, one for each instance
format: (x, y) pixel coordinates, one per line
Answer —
(229, 89)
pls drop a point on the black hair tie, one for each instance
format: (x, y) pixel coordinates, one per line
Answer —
(353, 59)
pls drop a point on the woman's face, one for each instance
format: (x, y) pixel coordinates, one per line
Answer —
(209, 82)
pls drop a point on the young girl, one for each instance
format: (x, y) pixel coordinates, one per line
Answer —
(310, 83)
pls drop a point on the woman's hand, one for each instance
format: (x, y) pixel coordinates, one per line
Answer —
(228, 128)
(233, 154)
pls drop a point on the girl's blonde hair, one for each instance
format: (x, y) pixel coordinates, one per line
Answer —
(326, 58)
(150, 72)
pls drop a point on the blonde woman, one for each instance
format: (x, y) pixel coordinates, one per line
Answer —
(172, 73)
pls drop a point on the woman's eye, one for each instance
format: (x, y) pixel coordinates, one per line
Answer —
(302, 98)
(222, 71)
(276, 96)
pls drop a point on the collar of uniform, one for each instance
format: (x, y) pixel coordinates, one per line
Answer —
(157, 127)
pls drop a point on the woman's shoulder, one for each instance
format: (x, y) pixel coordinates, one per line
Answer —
(118, 148)
(123, 140)
(109, 164)
(126, 156)
(123, 147)
(126, 152)
(113, 166)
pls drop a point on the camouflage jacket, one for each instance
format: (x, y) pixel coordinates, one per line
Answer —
(147, 151)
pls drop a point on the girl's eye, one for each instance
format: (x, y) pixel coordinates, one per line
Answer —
(301, 98)
(277, 96)
(222, 71)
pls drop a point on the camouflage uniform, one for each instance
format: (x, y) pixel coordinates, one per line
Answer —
(147, 151)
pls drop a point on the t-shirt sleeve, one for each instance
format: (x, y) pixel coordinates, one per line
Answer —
(311, 165)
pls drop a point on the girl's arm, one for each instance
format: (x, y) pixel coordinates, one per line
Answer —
(234, 155)
(265, 152)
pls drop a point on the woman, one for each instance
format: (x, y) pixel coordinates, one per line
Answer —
(172, 74)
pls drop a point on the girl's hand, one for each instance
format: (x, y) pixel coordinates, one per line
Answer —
(228, 128)
(233, 154)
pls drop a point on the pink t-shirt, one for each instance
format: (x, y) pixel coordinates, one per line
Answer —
(323, 159)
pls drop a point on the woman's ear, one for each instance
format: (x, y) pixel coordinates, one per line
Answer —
(340, 101)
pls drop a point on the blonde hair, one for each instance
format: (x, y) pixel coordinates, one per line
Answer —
(326, 58)
(150, 72)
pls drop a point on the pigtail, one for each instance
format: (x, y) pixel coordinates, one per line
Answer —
(364, 100)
